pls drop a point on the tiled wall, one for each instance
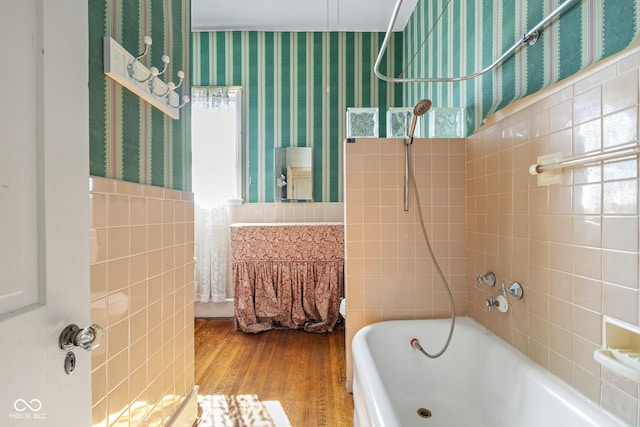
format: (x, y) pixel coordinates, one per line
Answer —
(269, 212)
(574, 246)
(142, 294)
(388, 272)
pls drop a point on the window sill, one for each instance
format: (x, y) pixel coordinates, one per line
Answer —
(235, 202)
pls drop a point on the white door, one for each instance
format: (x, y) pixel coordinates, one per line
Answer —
(44, 211)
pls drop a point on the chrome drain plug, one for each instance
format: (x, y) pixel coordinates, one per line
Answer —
(424, 413)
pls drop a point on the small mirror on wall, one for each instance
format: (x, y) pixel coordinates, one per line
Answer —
(293, 173)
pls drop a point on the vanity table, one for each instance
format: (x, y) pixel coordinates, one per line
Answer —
(289, 275)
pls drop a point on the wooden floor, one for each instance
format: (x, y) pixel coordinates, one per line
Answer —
(305, 372)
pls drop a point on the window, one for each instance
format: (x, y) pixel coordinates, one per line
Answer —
(216, 145)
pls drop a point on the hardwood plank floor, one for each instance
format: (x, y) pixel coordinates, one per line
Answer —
(304, 371)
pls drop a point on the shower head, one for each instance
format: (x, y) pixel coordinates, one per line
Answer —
(420, 109)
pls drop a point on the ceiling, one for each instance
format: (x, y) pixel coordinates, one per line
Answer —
(298, 15)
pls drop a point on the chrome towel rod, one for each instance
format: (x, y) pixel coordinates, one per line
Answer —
(536, 169)
(526, 38)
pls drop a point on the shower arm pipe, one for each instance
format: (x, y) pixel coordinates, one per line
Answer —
(524, 39)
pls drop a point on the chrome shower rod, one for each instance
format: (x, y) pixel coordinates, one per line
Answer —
(531, 35)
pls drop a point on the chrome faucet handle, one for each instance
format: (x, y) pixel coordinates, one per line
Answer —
(488, 279)
(503, 290)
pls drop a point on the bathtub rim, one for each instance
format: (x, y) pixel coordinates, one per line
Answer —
(381, 402)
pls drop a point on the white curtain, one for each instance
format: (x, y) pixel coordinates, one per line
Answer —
(214, 136)
(208, 97)
(212, 253)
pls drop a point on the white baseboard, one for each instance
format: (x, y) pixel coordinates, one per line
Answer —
(214, 309)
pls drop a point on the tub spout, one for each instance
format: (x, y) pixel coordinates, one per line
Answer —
(500, 303)
(491, 303)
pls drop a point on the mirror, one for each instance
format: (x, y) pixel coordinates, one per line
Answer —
(294, 173)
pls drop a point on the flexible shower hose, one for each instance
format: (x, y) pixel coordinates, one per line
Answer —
(433, 258)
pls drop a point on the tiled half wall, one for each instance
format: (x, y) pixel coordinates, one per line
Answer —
(142, 294)
(388, 272)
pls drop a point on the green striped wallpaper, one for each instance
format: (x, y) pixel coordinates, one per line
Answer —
(129, 139)
(297, 89)
(471, 34)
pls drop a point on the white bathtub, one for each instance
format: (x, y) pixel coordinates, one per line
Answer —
(479, 381)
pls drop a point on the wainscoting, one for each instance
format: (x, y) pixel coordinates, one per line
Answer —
(142, 294)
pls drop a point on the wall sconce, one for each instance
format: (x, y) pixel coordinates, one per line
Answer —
(125, 68)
